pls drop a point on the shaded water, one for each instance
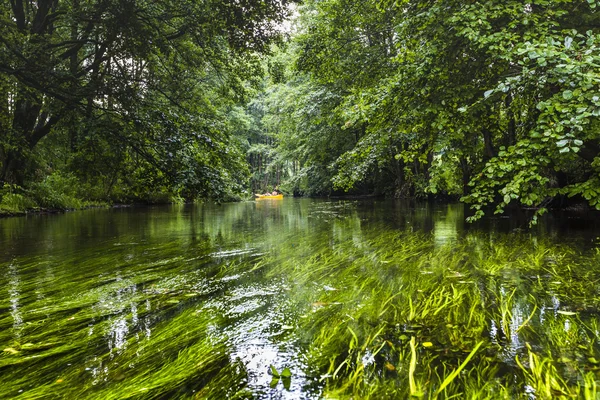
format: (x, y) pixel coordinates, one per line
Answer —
(199, 301)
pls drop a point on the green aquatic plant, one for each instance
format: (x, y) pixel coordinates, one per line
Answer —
(543, 377)
(431, 309)
(348, 311)
(451, 376)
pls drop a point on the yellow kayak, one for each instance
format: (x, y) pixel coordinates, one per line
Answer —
(265, 197)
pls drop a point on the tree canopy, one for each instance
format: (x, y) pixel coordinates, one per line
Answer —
(493, 102)
(143, 86)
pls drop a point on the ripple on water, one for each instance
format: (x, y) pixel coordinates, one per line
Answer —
(236, 252)
(259, 336)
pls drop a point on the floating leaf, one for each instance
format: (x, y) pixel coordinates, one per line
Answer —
(274, 371)
(286, 373)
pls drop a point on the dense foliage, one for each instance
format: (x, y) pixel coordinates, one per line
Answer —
(496, 102)
(493, 102)
(128, 98)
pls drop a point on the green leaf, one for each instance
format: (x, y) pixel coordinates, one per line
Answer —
(274, 371)
(567, 95)
(286, 373)
(562, 143)
(287, 382)
(568, 41)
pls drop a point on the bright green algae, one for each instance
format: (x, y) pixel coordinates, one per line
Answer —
(358, 300)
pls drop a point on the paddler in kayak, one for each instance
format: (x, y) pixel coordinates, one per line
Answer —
(274, 193)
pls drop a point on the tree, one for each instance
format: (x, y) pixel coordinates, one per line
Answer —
(496, 101)
(108, 66)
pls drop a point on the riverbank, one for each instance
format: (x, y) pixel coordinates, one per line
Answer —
(42, 211)
(60, 195)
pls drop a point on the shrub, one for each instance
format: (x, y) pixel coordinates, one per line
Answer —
(58, 190)
(12, 202)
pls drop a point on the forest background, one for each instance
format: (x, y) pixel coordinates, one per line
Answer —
(495, 103)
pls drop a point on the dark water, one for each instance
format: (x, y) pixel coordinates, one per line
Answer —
(129, 302)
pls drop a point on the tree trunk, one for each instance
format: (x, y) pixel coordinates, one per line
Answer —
(13, 167)
(488, 145)
(30, 123)
(466, 174)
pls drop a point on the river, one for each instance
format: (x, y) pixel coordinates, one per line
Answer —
(352, 299)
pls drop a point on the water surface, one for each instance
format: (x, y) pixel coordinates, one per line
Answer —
(199, 301)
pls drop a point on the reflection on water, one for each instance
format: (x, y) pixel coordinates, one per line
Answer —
(13, 293)
(448, 223)
(93, 294)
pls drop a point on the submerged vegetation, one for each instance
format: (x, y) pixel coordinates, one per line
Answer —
(294, 299)
(479, 318)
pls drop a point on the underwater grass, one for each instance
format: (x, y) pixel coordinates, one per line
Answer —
(352, 310)
(180, 353)
(399, 316)
(141, 332)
